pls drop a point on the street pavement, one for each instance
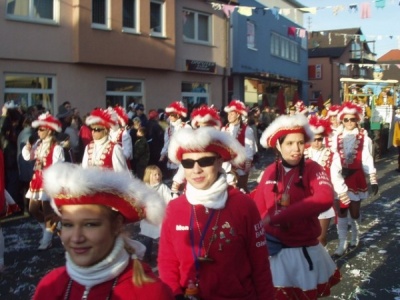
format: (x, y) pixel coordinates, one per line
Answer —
(371, 271)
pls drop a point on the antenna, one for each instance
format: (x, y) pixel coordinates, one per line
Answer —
(309, 21)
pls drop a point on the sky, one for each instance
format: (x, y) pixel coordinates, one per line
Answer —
(382, 26)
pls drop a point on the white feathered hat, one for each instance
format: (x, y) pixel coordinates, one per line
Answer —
(206, 139)
(349, 108)
(70, 184)
(103, 117)
(206, 115)
(284, 125)
(48, 121)
(237, 106)
(178, 108)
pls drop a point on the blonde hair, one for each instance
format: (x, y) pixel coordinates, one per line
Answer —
(139, 276)
(147, 173)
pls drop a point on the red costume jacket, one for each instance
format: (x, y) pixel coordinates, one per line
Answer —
(240, 268)
(54, 286)
(297, 224)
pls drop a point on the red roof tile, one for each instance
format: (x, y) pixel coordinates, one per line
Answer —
(392, 55)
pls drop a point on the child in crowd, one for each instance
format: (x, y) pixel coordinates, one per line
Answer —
(141, 152)
(153, 178)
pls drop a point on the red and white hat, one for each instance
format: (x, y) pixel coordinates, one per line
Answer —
(333, 111)
(102, 117)
(48, 121)
(284, 125)
(206, 139)
(237, 106)
(349, 108)
(319, 125)
(178, 108)
(121, 115)
(206, 115)
(70, 184)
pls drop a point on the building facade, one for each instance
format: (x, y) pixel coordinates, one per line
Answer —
(269, 53)
(98, 53)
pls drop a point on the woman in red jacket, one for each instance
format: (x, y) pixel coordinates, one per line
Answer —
(290, 196)
(212, 242)
(93, 206)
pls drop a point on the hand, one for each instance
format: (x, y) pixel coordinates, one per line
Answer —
(375, 189)
(344, 198)
(162, 157)
(247, 166)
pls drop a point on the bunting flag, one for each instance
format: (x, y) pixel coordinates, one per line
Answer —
(363, 9)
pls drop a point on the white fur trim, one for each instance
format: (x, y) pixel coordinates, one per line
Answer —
(317, 130)
(286, 121)
(77, 181)
(198, 139)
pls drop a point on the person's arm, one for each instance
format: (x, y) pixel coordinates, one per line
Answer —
(58, 154)
(164, 150)
(168, 262)
(118, 159)
(320, 200)
(127, 145)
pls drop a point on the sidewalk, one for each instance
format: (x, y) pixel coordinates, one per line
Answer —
(372, 271)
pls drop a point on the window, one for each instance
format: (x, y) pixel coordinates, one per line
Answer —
(251, 35)
(195, 94)
(157, 18)
(28, 90)
(344, 71)
(196, 26)
(124, 92)
(100, 14)
(356, 50)
(129, 15)
(284, 48)
(43, 11)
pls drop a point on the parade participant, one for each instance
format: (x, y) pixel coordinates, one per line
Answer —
(321, 154)
(176, 112)
(200, 117)
(352, 160)
(396, 136)
(336, 125)
(244, 134)
(212, 237)
(101, 151)
(101, 263)
(45, 152)
(327, 106)
(120, 135)
(290, 196)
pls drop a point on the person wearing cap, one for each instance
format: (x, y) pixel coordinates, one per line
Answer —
(336, 125)
(290, 196)
(139, 112)
(120, 135)
(101, 262)
(200, 117)
(176, 111)
(327, 106)
(351, 162)
(212, 237)
(45, 151)
(155, 136)
(101, 151)
(244, 134)
(319, 152)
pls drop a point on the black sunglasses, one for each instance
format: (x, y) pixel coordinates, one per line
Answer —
(351, 120)
(318, 139)
(203, 162)
(97, 129)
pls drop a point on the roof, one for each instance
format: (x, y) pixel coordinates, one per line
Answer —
(331, 43)
(392, 55)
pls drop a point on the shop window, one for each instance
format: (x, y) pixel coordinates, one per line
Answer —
(28, 90)
(124, 92)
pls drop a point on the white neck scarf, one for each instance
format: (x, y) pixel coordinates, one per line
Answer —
(109, 268)
(215, 197)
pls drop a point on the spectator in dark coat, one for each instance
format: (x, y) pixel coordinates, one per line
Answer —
(155, 137)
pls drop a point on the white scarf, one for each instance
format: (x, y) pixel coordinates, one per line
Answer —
(109, 268)
(215, 197)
